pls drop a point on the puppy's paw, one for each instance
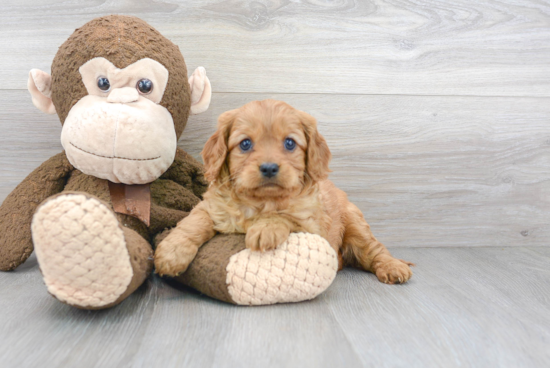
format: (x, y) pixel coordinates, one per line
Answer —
(394, 271)
(263, 237)
(173, 257)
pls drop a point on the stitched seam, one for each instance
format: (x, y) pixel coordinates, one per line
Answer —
(121, 158)
(116, 130)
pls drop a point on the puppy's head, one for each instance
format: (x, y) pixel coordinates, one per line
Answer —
(266, 149)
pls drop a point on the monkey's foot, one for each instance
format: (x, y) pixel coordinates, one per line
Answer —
(81, 251)
(299, 269)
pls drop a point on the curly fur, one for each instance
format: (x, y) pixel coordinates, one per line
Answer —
(299, 198)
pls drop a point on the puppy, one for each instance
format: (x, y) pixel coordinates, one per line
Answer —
(268, 166)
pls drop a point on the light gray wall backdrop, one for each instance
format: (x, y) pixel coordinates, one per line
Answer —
(437, 112)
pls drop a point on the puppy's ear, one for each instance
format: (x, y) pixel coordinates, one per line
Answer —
(215, 150)
(318, 153)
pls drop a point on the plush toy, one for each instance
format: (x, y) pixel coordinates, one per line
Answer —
(122, 94)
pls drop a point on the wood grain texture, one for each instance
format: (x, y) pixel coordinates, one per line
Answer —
(411, 96)
(419, 47)
(464, 307)
(425, 171)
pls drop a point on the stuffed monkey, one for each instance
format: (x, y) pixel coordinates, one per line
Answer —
(122, 95)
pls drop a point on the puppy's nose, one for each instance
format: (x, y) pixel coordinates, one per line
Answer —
(269, 169)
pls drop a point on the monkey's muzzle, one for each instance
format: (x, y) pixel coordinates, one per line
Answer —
(130, 143)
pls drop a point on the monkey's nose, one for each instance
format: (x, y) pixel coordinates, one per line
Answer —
(123, 95)
(269, 169)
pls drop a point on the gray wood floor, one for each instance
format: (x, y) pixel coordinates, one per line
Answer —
(464, 307)
(438, 117)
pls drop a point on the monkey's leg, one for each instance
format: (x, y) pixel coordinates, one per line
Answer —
(17, 210)
(299, 269)
(88, 260)
(362, 249)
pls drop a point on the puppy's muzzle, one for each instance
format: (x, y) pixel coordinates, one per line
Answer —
(269, 169)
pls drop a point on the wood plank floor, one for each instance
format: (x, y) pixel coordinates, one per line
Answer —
(464, 307)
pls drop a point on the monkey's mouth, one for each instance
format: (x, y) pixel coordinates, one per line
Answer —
(111, 157)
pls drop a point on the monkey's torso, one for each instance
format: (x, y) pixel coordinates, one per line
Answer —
(173, 195)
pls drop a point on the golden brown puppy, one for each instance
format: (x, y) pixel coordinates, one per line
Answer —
(268, 166)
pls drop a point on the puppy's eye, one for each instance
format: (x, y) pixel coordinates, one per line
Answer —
(144, 86)
(290, 144)
(103, 84)
(246, 145)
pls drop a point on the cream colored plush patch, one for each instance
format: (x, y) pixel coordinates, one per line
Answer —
(81, 251)
(299, 269)
(131, 143)
(201, 91)
(128, 77)
(39, 85)
(123, 95)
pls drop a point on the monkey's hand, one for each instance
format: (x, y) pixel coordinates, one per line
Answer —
(174, 254)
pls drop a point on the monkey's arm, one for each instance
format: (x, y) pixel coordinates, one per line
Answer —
(187, 172)
(18, 208)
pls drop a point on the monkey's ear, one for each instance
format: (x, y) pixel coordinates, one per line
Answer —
(40, 87)
(201, 91)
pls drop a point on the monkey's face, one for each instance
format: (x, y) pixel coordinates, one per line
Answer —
(122, 93)
(119, 131)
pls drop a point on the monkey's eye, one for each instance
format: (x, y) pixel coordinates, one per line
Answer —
(103, 84)
(245, 145)
(144, 86)
(290, 144)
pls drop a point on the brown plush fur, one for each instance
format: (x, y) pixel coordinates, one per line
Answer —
(183, 181)
(298, 198)
(122, 40)
(208, 271)
(19, 206)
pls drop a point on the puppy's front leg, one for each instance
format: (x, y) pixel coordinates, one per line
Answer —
(267, 233)
(174, 254)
